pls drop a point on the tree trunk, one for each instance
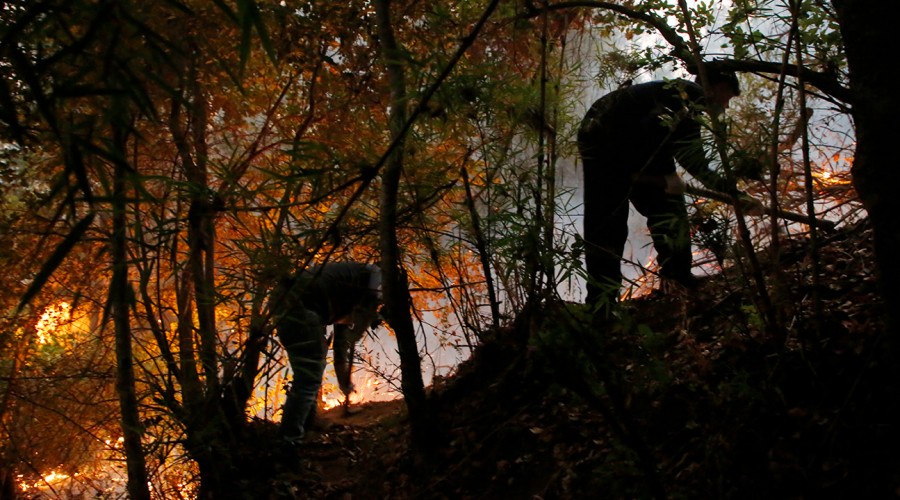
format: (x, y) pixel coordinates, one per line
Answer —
(214, 455)
(238, 384)
(394, 284)
(482, 247)
(868, 26)
(210, 440)
(121, 295)
(8, 487)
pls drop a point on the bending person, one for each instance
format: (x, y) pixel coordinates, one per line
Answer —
(344, 294)
(629, 142)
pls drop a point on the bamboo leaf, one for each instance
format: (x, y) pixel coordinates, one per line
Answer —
(56, 259)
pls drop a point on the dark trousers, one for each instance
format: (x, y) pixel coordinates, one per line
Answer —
(608, 188)
(302, 333)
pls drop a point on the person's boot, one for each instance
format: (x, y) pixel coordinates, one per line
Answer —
(680, 283)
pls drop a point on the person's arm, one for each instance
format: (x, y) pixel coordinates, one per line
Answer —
(699, 168)
(347, 332)
(689, 153)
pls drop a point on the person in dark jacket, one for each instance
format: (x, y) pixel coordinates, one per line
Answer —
(629, 142)
(344, 294)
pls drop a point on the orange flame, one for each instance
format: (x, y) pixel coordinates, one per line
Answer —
(366, 389)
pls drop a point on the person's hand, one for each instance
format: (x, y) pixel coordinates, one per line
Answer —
(750, 205)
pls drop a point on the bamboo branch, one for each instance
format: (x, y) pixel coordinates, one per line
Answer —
(784, 214)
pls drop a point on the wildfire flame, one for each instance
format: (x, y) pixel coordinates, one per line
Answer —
(643, 284)
(828, 178)
(365, 389)
(50, 321)
(50, 478)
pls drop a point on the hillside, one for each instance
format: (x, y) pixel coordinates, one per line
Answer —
(681, 396)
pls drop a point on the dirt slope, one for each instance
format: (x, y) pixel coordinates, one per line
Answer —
(678, 396)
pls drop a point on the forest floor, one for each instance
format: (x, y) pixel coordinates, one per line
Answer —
(680, 395)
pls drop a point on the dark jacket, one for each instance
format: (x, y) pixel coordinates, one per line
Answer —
(332, 290)
(645, 128)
